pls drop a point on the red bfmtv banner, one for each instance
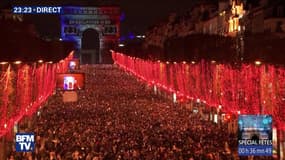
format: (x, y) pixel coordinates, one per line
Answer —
(70, 81)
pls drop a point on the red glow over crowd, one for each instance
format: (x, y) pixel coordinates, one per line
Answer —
(248, 89)
(24, 87)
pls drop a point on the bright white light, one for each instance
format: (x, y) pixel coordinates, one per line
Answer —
(5, 125)
(215, 118)
(3, 63)
(60, 39)
(121, 45)
(17, 62)
(155, 89)
(143, 36)
(174, 98)
(40, 61)
(72, 64)
(198, 101)
(257, 62)
(220, 106)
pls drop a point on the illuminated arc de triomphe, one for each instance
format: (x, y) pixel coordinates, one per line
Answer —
(93, 29)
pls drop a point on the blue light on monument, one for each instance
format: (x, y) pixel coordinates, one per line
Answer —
(122, 17)
(104, 20)
(131, 35)
(75, 20)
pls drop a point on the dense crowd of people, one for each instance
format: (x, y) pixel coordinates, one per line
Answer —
(118, 117)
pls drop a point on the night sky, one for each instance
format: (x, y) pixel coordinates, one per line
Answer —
(139, 15)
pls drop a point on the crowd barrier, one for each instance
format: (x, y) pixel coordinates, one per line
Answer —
(248, 89)
(24, 87)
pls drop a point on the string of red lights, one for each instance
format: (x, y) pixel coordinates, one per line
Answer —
(24, 88)
(249, 89)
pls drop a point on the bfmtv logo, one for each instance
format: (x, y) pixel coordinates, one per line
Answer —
(25, 142)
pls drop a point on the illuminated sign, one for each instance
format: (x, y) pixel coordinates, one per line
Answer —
(25, 142)
(70, 81)
(37, 10)
(255, 135)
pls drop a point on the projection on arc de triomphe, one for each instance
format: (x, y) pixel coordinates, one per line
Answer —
(93, 29)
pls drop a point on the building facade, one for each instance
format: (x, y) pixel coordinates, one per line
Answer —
(267, 17)
(93, 29)
(232, 17)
